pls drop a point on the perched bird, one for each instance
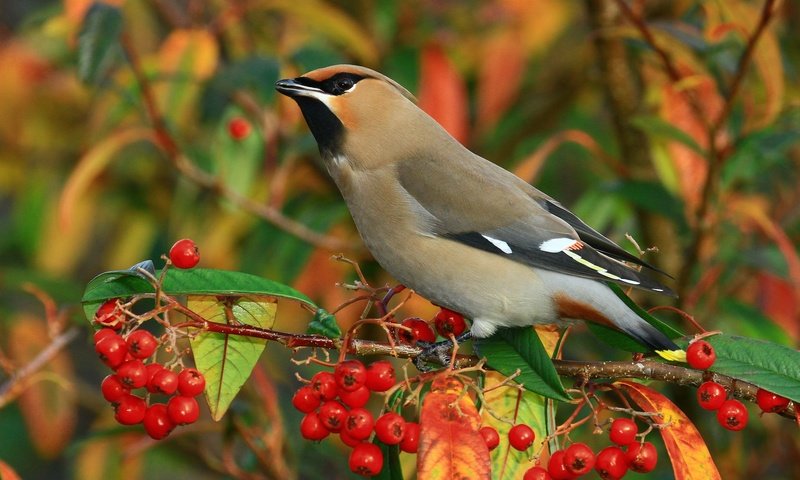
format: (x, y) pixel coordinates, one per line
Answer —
(458, 229)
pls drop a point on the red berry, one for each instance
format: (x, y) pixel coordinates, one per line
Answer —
(164, 381)
(156, 421)
(733, 415)
(112, 350)
(536, 473)
(642, 457)
(521, 436)
(191, 382)
(311, 427)
(623, 431)
(184, 253)
(420, 331)
(152, 369)
(132, 374)
(113, 389)
(141, 344)
(366, 459)
(347, 439)
(390, 428)
(700, 355)
(333, 415)
(350, 374)
(711, 395)
(490, 436)
(110, 315)
(359, 423)
(239, 128)
(324, 384)
(183, 410)
(103, 333)
(770, 402)
(355, 399)
(611, 463)
(449, 322)
(556, 467)
(578, 459)
(410, 441)
(305, 399)
(129, 410)
(380, 376)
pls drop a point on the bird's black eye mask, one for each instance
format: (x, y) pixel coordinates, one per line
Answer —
(335, 85)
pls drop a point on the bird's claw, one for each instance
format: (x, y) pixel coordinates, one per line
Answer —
(437, 352)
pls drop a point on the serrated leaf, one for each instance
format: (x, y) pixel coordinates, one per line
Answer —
(511, 349)
(227, 360)
(324, 323)
(97, 41)
(622, 341)
(515, 406)
(449, 443)
(197, 281)
(770, 366)
(686, 448)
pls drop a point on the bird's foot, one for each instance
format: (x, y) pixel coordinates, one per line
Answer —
(438, 352)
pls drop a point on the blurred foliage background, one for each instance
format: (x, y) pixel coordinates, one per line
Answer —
(683, 146)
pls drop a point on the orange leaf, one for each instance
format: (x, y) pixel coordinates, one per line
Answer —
(686, 448)
(442, 93)
(48, 401)
(500, 77)
(691, 167)
(7, 473)
(189, 50)
(449, 443)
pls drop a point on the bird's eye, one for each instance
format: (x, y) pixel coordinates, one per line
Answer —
(342, 85)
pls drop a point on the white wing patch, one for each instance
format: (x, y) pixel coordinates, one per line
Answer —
(570, 246)
(555, 245)
(501, 245)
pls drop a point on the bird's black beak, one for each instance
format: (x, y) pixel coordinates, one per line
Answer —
(297, 87)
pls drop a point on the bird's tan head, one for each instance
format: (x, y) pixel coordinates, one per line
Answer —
(341, 99)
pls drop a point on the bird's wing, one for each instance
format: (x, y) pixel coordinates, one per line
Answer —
(479, 204)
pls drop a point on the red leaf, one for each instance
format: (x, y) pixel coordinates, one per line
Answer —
(500, 77)
(686, 448)
(449, 443)
(442, 93)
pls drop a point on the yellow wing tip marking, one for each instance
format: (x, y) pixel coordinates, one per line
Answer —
(672, 355)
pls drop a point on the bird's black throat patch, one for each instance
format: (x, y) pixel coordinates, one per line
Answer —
(327, 129)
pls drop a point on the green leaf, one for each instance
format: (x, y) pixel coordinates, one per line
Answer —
(508, 403)
(652, 197)
(324, 323)
(236, 161)
(197, 281)
(511, 349)
(659, 128)
(98, 41)
(227, 360)
(391, 462)
(622, 341)
(773, 367)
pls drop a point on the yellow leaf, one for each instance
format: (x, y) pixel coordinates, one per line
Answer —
(450, 446)
(327, 20)
(91, 164)
(686, 448)
(192, 51)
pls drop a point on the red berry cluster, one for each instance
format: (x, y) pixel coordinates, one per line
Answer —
(334, 403)
(731, 413)
(126, 356)
(610, 463)
(447, 322)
